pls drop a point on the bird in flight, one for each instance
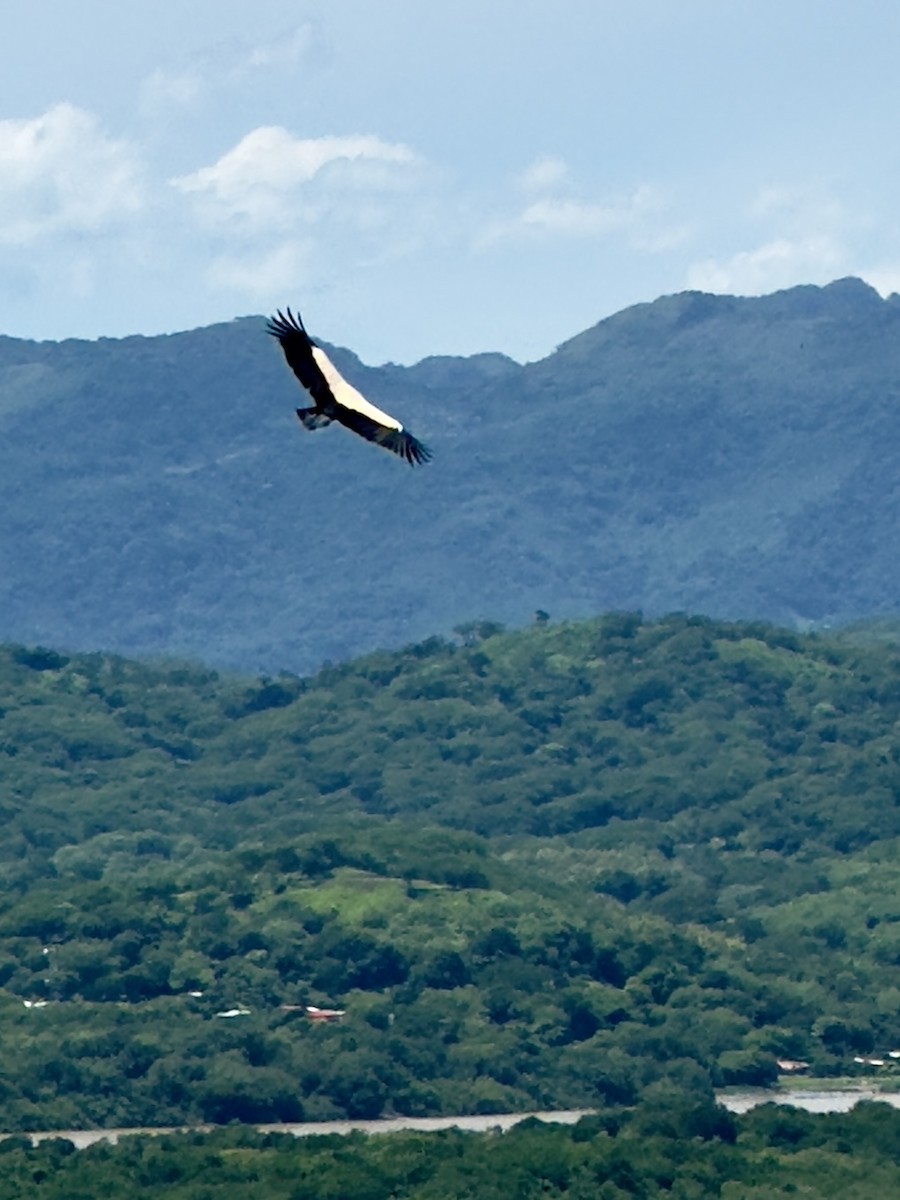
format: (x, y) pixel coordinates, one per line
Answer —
(335, 398)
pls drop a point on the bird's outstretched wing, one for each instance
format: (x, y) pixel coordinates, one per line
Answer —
(298, 350)
(399, 440)
(335, 398)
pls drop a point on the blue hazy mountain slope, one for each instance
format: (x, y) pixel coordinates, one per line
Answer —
(731, 456)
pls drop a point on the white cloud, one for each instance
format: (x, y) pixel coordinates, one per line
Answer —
(164, 89)
(277, 210)
(60, 174)
(264, 180)
(262, 275)
(581, 219)
(885, 278)
(287, 50)
(775, 264)
(797, 209)
(790, 233)
(639, 216)
(230, 64)
(549, 171)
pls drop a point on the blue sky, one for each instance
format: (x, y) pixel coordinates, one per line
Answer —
(422, 178)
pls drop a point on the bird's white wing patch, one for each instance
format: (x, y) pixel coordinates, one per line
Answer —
(347, 395)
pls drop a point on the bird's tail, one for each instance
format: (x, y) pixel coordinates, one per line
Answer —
(313, 418)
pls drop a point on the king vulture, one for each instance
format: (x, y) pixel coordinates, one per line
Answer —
(336, 399)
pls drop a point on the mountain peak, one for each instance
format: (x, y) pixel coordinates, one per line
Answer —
(734, 456)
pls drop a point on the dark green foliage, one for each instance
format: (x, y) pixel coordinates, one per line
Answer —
(556, 867)
(669, 1146)
(708, 733)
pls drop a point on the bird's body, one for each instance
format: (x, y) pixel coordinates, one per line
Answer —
(336, 399)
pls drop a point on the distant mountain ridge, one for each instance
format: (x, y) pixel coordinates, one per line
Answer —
(731, 456)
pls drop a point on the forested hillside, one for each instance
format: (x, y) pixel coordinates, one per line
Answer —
(729, 456)
(547, 868)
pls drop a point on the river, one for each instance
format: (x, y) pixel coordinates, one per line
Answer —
(736, 1102)
(82, 1138)
(813, 1101)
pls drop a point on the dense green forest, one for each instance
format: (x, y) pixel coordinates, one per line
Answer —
(667, 1146)
(555, 867)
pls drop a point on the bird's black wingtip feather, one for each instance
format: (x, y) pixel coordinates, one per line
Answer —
(417, 453)
(286, 323)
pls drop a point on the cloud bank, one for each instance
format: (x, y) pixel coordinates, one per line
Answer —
(263, 181)
(60, 173)
(85, 212)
